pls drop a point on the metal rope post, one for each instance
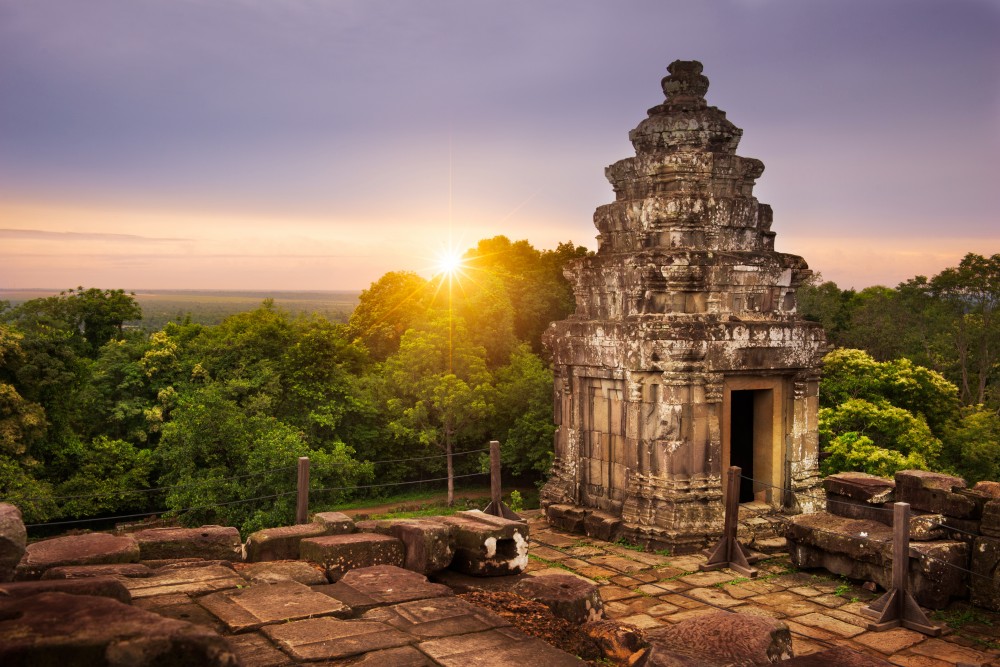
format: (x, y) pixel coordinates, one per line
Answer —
(897, 607)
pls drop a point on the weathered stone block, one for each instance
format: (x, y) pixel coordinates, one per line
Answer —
(88, 549)
(860, 486)
(253, 607)
(341, 553)
(863, 550)
(336, 523)
(984, 587)
(13, 538)
(617, 641)
(566, 517)
(82, 631)
(602, 526)
(727, 638)
(428, 544)
(332, 639)
(852, 508)
(436, 617)
(281, 543)
(370, 587)
(85, 571)
(934, 492)
(927, 527)
(272, 572)
(987, 488)
(567, 596)
(104, 587)
(486, 545)
(191, 580)
(990, 524)
(208, 542)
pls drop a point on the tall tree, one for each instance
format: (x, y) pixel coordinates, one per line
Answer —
(440, 392)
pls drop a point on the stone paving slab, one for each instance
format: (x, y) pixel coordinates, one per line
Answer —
(501, 647)
(271, 572)
(256, 650)
(329, 638)
(262, 604)
(440, 617)
(382, 585)
(190, 580)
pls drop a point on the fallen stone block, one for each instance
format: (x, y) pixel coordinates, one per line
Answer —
(857, 539)
(13, 539)
(99, 632)
(87, 549)
(271, 572)
(566, 517)
(487, 545)
(438, 617)
(934, 492)
(427, 544)
(860, 486)
(84, 571)
(727, 638)
(187, 580)
(253, 607)
(182, 563)
(342, 553)
(937, 572)
(104, 587)
(208, 542)
(336, 523)
(602, 526)
(984, 587)
(567, 596)
(333, 639)
(281, 543)
(617, 641)
(366, 588)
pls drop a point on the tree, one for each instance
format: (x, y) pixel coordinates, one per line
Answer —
(393, 304)
(523, 413)
(439, 390)
(972, 291)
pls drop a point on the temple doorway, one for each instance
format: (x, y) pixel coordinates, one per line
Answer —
(753, 436)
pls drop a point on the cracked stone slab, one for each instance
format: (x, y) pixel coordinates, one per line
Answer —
(189, 580)
(262, 604)
(382, 585)
(271, 572)
(330, 638)
(500, 647)
(440, 617)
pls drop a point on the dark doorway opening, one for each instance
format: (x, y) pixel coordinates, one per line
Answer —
(741, 432)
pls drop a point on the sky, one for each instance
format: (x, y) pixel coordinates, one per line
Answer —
(317, 144)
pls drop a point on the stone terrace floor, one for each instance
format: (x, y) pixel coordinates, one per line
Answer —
(821, 610)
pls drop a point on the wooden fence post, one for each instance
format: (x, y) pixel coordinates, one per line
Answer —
(302, 501)
(897, 607)
(729, 552)
(497, 506)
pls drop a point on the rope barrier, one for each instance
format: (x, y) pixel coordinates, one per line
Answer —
(199, 483)
(418, 481)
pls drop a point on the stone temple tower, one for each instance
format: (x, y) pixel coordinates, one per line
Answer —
(685, 354)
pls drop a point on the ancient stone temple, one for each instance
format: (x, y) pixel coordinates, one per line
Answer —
(685, 354)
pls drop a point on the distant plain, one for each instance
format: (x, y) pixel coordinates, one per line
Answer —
(213, 306)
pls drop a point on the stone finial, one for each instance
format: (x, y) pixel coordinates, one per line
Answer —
(685, 85)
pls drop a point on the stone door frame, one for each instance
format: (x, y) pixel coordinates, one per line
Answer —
(769, 462)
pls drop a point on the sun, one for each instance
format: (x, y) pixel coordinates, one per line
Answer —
(448, 262)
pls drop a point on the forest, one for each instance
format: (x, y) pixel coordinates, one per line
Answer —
(100, 417)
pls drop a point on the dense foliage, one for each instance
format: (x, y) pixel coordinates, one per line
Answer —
(97, 418)
(922, 387)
